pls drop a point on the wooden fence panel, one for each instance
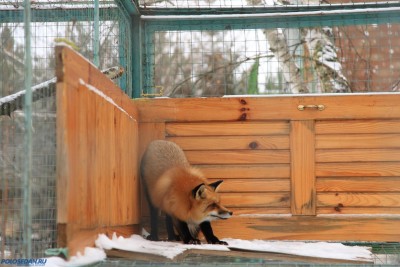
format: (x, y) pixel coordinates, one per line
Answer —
(288, 173)
(292, 174)
(97, 155)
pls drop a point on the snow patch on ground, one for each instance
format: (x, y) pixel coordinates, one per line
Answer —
(136, 243)
(170, 250)
(306, 249)
(90, 256)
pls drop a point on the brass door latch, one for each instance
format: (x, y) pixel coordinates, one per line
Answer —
(304, 107)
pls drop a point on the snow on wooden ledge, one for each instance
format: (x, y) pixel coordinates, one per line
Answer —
(172, 250)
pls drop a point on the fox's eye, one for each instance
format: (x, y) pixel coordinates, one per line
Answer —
(212, 206)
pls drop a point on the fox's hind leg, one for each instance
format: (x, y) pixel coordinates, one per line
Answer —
(154, 212)
(153, 223)
(209, 234)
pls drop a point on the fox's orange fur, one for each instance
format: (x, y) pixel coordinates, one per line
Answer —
(180, 190)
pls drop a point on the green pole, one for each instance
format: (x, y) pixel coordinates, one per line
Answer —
(27, 166)
(96, 41)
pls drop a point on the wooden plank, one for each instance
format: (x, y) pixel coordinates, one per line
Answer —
(246, 211)
(125, 205)
(73, 154)
(232, 142)
(81, 154)
(330, 228)
(358, 169)
(254, 185)
(366, 126)
(302, 138)
(147, 132)
(92, 169)
(227, 128)
(238, 156)
(358, 210)
(349, 106)
(259, 200)
(264, 171)
(104, 162)
(333, 199)
(132, 187)
(357, 155)
(230, 257)
(357, 141)
(358, 184)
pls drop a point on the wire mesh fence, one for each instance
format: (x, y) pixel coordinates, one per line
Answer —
(52, 22)
(180, 57)
(323, 59)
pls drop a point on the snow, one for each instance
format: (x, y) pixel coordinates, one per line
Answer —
(12, 97)
(90, 256)
(312, 249)
(170, 250)
(101, 94)
(136, 243)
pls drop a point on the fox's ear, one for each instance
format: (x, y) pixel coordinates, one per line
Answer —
(198, 191)
(215, 185)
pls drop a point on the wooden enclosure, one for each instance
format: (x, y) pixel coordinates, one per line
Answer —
(97, 140)
(301, 167)
(331, 174)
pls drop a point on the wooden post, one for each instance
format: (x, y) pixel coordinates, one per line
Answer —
(302, 148)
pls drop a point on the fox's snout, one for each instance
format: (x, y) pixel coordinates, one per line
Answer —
(221, 214)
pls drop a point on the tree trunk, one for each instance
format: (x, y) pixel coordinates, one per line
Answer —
(290, 70)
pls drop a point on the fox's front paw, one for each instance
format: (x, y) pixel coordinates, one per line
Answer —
(175, 238)
(151, 238)
(221, 243)
(218, 242)
(193, 242)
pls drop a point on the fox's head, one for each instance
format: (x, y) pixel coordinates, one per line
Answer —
(206, 203)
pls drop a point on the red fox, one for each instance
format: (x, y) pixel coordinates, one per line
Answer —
(182, 192)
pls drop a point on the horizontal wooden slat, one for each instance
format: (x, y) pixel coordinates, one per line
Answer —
(358, 210)
(254, 185)
(328, 227)
(359, 184)
(246, 171)
(238, 157)
(357, 155)
(232, 142)
(255, 200)
(359, 199)
(354, 106)
(367, 126)
(358, 169)
(357, 141)
(227, 128)
(257, 211)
